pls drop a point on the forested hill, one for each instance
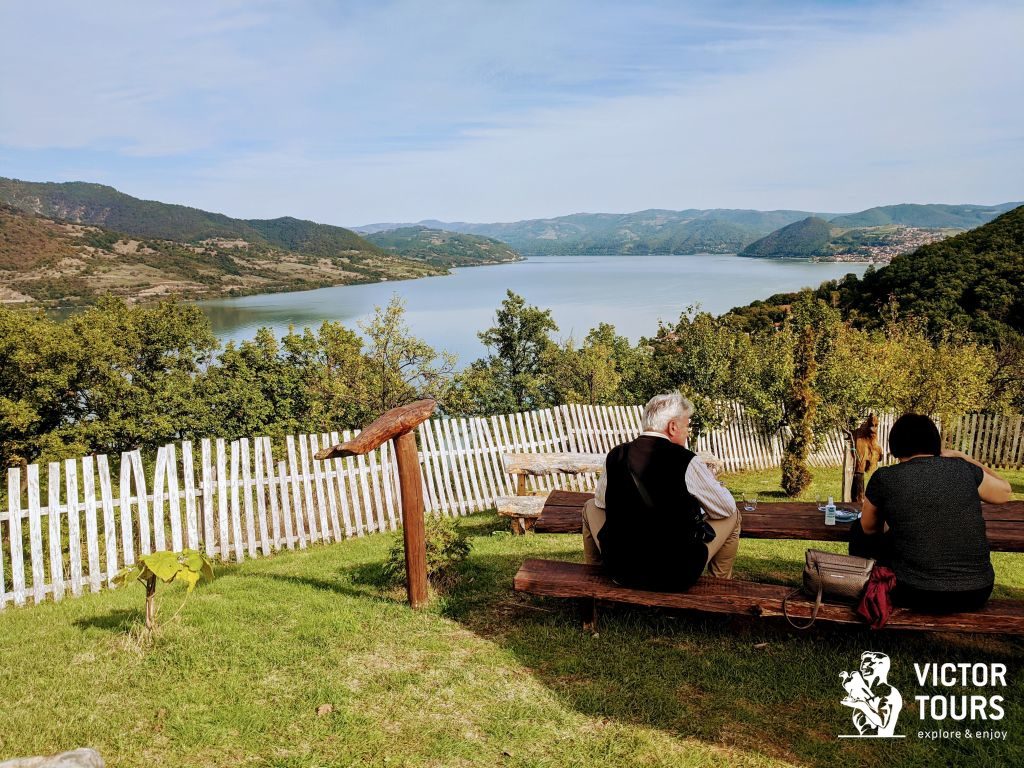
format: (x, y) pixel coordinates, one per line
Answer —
(446, 249)
(971, 282)
(102, 206)
(644, 232)
(799, 240)
(925, 216)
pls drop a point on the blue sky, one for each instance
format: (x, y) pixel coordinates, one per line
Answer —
(350, 113)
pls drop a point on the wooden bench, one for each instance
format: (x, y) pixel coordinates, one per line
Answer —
(552, 578)
(524, 508)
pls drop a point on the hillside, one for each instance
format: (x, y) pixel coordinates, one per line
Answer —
(101, 206)
(800, 240)
(61, 263)
(973, 282)
(924, 216)
(443, 249)
(644, 232)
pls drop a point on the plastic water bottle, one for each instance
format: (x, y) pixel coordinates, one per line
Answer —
(830, 512)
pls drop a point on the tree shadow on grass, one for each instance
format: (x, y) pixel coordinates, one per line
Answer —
(748, 683)
(118, 621)
(363, 580)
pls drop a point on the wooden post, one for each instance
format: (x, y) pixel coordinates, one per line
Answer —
(849, 465)
(398, 425)
(412, 518)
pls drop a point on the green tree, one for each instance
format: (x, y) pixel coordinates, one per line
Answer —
(400, 367)
(702, 357)
(519, 347)
(800, 415)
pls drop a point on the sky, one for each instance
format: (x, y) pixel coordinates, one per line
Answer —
(498, 110)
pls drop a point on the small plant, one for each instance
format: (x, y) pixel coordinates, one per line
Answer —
(447, 547)
(188, 566)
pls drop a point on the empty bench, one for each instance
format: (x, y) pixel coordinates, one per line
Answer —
(525, 508)
(553, 578)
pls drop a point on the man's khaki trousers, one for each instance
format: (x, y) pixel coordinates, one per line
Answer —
(721, 551)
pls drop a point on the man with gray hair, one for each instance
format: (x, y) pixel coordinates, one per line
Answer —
(647, 522)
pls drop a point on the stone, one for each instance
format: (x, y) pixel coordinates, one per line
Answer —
(76, 758)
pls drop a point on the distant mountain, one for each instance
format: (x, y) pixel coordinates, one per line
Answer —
(925, 216)
(443, 249)
(800, 240)
(59, 263)
(644, 232)
(101, 206)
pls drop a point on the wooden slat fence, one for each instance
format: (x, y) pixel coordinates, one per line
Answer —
(68, 529)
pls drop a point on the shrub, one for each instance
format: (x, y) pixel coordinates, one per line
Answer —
(188, 566)
(447, 548)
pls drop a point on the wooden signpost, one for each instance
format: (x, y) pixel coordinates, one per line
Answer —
(398, 425)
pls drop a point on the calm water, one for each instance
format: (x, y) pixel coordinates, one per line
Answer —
(632, 293)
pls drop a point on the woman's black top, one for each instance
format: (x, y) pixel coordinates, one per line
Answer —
(936, 531)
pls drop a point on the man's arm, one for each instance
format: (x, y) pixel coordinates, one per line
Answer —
(712, 495)
(602, 486)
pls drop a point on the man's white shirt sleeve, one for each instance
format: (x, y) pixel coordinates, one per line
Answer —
(700, 481)
(712, 495)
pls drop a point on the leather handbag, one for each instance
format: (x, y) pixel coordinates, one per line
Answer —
(827, 574)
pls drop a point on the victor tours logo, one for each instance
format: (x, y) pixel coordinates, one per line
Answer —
(960, 701)
(875, 703)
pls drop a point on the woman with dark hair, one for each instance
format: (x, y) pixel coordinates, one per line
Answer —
(922, 518)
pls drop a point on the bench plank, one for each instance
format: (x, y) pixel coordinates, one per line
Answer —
(540, 464)
(553, 578)
(520, 506)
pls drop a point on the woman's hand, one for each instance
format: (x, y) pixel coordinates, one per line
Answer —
(949, 453)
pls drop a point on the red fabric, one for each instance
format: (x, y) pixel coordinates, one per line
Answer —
(876, 605)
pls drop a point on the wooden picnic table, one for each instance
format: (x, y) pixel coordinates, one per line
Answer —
(1004, 523)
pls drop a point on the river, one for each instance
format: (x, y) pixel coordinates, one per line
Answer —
(631, 292)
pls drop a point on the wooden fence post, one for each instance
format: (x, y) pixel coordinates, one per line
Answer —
(398, 425)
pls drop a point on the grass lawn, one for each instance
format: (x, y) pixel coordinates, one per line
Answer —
(482, 677)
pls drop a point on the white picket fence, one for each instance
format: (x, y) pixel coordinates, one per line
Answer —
(247, 502)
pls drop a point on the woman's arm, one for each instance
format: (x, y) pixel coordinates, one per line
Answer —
(993, 489)
(870, 520)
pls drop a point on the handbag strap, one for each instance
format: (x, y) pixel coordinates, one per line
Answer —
(645, 497)
(817, 603)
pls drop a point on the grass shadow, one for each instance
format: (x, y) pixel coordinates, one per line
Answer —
(119, 621)
(749, 683)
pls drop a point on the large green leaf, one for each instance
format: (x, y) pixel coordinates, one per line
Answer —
(190, 577)
(192, 560)
(198, 562)
(124, 574)
(164, 565)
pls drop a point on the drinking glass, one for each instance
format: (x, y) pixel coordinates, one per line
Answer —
(820, 501)
(749, 502)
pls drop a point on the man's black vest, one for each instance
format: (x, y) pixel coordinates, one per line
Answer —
(651, 547)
